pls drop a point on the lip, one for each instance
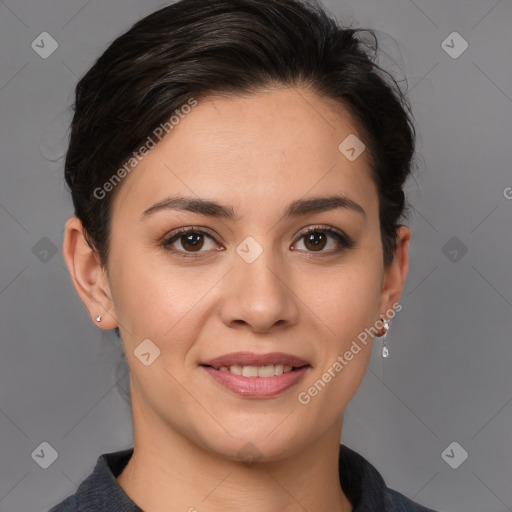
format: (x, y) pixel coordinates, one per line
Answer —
(257, 387)
(253, 359)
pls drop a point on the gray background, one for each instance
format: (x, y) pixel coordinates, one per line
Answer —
(448, 375)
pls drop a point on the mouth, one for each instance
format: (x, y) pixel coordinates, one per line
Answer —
(256, 375)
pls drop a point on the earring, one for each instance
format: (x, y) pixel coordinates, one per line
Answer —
(385, 351)
(98, 318)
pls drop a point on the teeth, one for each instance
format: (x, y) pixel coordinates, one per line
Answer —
(237, 370)
(278, 369)
(265, 371)
(250, 371)
(257, 371)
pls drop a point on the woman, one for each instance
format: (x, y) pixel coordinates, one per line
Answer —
(237, 171)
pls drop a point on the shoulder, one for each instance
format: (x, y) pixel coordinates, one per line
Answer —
(100, 490)
(68, 505)
(401, 503)
(366, 488)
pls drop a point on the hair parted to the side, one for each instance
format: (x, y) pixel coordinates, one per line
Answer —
(197, 48)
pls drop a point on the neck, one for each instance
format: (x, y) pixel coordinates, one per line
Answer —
(167, 468)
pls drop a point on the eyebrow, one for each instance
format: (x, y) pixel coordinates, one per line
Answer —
(214, 209)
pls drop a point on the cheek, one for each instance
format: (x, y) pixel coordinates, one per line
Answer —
(344, 305)
(345, 298)
(161, 302)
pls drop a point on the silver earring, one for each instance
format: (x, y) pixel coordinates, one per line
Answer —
(98, 318)
(385, 351)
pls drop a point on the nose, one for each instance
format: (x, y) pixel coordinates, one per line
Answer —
(259, 295)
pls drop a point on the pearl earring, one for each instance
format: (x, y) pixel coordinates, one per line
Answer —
(98, 318)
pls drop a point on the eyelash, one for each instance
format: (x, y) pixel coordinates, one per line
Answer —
(340, 237)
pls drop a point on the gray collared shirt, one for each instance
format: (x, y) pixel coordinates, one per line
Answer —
(361, 482)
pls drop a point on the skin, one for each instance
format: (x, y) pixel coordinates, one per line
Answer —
(255, 153)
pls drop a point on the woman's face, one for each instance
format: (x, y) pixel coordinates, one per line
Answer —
(248, 279)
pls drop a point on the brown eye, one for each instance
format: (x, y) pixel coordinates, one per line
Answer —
(190, 240)
(317, 238)
(315, 241)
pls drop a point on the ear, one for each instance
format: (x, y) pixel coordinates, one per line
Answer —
(89, 279)
(394, 276)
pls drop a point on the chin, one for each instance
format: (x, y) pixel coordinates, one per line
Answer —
(257, 444)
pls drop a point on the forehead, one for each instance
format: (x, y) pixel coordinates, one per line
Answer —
(276, 144)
